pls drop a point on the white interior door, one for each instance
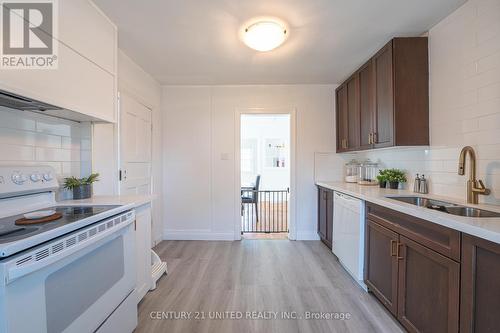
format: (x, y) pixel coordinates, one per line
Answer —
(135, 146)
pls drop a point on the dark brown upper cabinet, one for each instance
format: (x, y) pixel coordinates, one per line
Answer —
(385, 103)
(366, 105)
(348, 115)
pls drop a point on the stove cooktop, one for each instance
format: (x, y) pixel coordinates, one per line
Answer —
(10, 232)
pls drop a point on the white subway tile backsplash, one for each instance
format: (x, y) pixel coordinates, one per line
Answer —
(10, 152)
(56, 155)
(61, 129)
(86, 144)
(71, 143)
(29, 139)
(15, 119)
(488, 63)
(491, 91)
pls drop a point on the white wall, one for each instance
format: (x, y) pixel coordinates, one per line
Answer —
(464, 103)
(28, 138)
(199, 132)
(134, 81)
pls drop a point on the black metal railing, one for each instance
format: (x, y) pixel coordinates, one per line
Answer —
(264, 211)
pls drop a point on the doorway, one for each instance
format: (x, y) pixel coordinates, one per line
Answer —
(265, 167)
(135, 147)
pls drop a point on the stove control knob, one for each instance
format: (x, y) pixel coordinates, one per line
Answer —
(48, 177)
(35, 177)
(19, 178)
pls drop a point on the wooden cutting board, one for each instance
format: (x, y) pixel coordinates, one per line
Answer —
(25, 221)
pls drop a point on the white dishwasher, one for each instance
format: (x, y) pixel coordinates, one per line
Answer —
(348, 237)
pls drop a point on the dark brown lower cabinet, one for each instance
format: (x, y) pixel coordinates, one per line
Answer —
(325, 215)
(428, 289)
(381, 264)
(480, 286)
(418, 285)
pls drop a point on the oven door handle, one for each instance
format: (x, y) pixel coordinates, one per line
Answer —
(14, 272)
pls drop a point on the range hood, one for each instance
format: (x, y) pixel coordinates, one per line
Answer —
(17, 102)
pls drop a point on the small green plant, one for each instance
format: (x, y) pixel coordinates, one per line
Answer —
(382, 176)
(71, 183)
(395, 175)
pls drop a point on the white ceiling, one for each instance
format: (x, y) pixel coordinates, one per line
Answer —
(197, 42)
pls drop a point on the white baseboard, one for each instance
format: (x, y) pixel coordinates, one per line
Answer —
(197, 235)
(307, 235)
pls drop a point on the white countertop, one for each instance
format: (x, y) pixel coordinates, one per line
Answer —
(486, 228)
(125, 200)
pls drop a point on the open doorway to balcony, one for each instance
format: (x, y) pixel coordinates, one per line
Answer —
(265, 167)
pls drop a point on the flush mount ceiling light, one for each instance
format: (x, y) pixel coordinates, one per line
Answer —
(264, 35)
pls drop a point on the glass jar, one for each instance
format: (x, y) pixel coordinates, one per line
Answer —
(368, 172)
(352, 172)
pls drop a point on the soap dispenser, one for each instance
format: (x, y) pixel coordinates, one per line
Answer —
(416, 184)
(424, 188)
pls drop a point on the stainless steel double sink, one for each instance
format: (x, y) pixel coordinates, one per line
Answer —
(446, 207)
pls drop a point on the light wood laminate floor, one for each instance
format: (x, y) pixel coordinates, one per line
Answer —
(288, 277)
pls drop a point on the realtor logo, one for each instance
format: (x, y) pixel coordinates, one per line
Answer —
(28, 34)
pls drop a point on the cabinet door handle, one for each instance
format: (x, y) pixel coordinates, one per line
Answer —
(370, 138)
(398, 255)
(393, 250)
(374, 137)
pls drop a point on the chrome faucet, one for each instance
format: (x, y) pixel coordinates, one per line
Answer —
(474, 186)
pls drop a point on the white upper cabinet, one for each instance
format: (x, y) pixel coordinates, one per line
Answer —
(84, 28)
(77, 84)
(85, 79)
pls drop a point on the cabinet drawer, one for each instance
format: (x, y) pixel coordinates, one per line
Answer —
(438, 238)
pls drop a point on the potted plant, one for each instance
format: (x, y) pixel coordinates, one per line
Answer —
(394, 177)
(382, 178)
(81, 187)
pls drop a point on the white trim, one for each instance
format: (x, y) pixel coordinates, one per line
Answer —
(307, 235)
(197, 235)
(292, 111)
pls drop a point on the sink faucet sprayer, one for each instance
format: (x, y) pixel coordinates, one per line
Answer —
(474, 186)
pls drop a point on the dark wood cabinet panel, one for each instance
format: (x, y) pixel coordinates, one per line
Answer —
(480, 286)
(428, 289)
(438, 238)
(411, 91)
(325, 215)
(386, 101)
(366, 105)
(321, 213)
(381, 264)
(352, 113)
(384, 98)
(425, 293)
(342, 118)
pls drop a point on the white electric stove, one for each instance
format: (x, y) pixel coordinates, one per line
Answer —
(73, 274)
